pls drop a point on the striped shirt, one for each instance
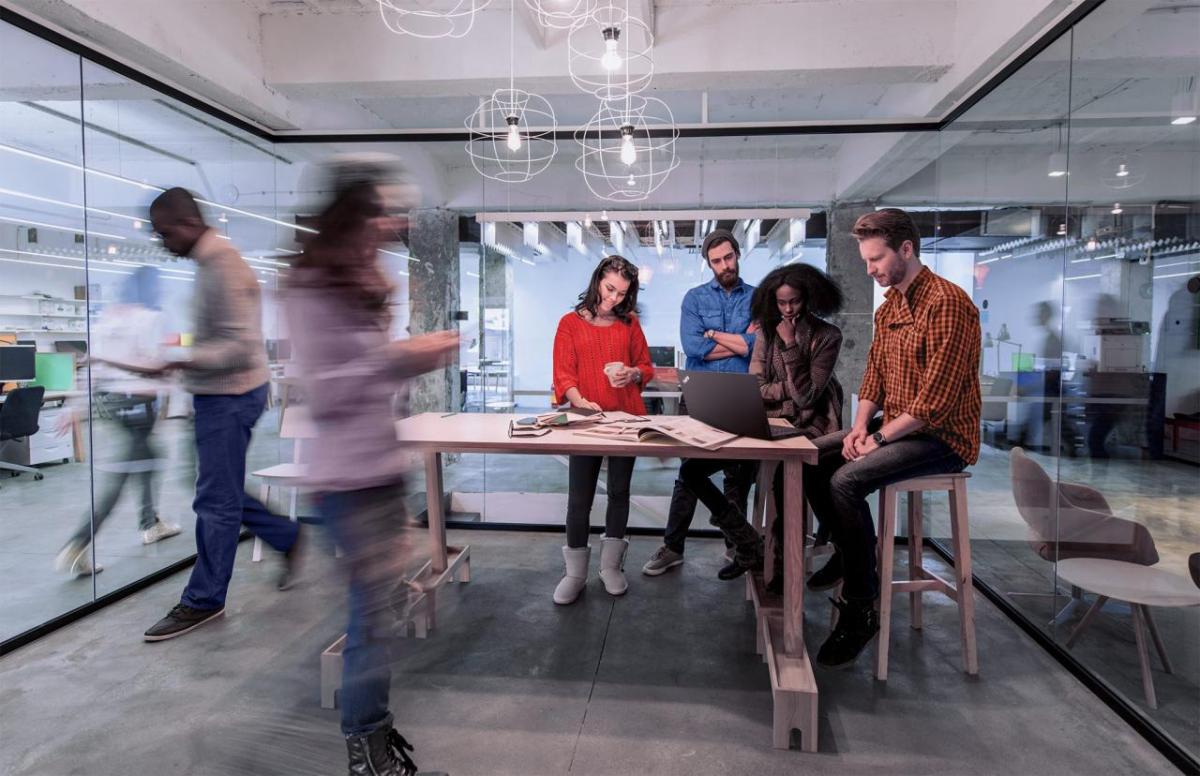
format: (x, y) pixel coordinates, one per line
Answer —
(924, 360)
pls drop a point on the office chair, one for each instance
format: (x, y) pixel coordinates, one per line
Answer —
(19, 419)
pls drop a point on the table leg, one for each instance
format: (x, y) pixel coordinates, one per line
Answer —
(793, 557)
(1139, 634)
(1158, 642)
(434, 500)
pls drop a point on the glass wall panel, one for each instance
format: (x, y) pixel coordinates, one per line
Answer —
(139, 143)
(1129, 417)
(44, 280)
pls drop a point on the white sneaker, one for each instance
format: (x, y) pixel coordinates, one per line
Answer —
(159, 531)
(76, 559)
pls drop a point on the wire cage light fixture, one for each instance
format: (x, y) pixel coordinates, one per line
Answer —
(431, 19)
(627, 149)
(512, 136)
(609, 53)
(512, 133)
(562, 14)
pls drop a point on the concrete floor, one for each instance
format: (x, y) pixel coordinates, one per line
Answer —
(38, 516)
(664, 680)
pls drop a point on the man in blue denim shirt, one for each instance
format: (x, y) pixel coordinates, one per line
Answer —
(714, 326)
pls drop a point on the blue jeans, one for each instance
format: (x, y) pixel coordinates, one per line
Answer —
(837, 491)
(222, 507)
(369, 526)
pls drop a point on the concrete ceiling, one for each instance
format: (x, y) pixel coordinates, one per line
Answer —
(325, 65)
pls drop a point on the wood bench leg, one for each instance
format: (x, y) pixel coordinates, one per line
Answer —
(887, 533)
(331, 673)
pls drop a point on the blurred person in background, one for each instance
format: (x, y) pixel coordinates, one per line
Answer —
(226, 372)
(794, 357)
(601, 335)
(337, 300)
(126, 355)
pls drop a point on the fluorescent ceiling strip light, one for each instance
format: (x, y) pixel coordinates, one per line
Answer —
(147, 187)
(63, 266)
(36, 198)
(89, 232)
(1174, 275)
(1085, 277)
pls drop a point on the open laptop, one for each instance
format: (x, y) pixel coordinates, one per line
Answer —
(731, 402)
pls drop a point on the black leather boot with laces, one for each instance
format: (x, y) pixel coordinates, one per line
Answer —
(382, 752)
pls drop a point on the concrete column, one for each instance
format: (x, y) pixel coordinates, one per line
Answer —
(845, 266)
(433, 300)
(496, 293)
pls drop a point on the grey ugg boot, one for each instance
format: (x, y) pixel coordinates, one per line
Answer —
(612, 565)
(575, 577)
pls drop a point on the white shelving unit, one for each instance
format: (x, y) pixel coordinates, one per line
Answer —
(33, 314)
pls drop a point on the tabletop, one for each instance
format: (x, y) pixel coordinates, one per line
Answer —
(484, 433)
(1131, 582)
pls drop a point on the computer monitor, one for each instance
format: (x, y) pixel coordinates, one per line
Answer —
(17, 363)
(78, 347)
(662, 355)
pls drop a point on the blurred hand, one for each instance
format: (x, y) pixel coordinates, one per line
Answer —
(426, 352)
(584, 404)
(867, 446)
(851, 443)
(787, 331)
(753, 328)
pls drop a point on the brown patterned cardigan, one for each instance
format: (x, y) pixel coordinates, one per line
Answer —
(798, 382)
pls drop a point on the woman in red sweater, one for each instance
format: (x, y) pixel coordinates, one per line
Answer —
(602, 330)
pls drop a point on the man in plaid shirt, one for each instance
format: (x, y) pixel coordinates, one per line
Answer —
(923, 372)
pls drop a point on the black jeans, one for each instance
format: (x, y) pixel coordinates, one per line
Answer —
(135, 417)
(694, 483)
(583, 472)
(837, 490)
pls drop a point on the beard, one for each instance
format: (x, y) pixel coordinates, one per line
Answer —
(728, 278)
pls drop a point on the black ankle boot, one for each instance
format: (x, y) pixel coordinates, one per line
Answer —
(382, 752)
(747, 544)
(738, 566)
(828, 576)
(857, 624)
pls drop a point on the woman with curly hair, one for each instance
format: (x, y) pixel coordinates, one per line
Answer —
(794, 358)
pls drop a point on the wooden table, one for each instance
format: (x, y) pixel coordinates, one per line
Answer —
(780, 625)
(1141, 587)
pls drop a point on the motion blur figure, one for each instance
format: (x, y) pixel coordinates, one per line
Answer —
(337, 306)
(127, 342)
(227, 374)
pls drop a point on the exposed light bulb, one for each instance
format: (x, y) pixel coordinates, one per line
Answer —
(611, 60)
(514, 137)
(587, 221)
(1122, 170)
(1116, 210)
(628, 152)
(1062, 229)
(630, 181)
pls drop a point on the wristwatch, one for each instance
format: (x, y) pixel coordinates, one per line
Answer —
(879, 438)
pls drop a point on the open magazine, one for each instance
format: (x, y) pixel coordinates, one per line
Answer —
(682, 428)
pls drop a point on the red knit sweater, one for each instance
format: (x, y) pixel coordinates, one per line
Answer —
(580, 352)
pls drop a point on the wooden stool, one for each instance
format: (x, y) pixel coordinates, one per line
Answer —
(919, 579)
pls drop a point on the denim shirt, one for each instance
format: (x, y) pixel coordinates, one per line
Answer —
(709, 306)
